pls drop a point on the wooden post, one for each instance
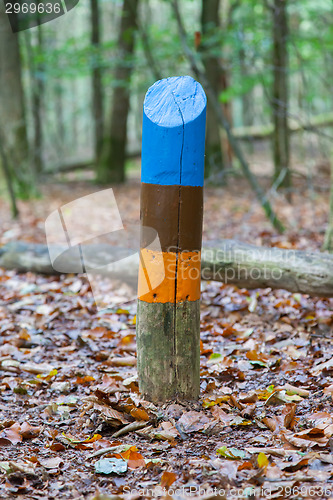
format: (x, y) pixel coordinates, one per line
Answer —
(172, 172)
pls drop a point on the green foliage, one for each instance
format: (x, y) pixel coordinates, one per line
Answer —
(243, 44)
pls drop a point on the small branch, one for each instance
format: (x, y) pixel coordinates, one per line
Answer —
(133, 426)
(103, 451)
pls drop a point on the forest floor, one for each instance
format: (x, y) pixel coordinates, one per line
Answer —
(263, 427)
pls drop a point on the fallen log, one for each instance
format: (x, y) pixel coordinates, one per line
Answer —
(227, 261)
(249, 266)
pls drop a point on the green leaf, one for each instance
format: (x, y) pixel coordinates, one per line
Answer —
(20, 390)
(5, 466)
(231, 453)
(257, 362)
(215, 357)
(262, 460)
(110, 466)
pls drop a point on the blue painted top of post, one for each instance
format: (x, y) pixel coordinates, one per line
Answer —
(173, 132)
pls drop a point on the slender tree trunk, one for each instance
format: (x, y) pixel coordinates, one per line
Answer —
(227, 108)
(143, 31)
(12, 110)
(328, 243)
(60, 118)
(280, 101)
(247, 98)
(209, 24)
(37, 92)
(8, 177)
(75, 131)
(38, 99)
(97, 89)
(111, 167)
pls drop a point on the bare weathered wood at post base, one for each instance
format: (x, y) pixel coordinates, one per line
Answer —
(168, 320)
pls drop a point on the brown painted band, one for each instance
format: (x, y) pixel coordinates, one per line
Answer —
(175, 212)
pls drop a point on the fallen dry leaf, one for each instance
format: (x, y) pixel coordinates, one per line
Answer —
(11, 435)
(139, 414)
(193, 421)
(326, 366)
(51, 463)
(113, 417)
(134, 459)
(29, 432)
(167, 479)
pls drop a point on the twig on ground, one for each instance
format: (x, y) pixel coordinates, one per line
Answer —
(133, 426)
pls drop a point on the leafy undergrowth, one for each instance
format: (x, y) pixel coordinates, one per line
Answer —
(73, 424)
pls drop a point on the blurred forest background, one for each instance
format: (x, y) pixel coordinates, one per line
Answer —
(71, 98)
(71, 90)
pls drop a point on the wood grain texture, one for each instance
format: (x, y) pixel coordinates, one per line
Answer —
(175, 213)
(168, 365)
(159, 281)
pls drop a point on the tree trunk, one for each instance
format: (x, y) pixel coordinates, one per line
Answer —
(76, 140)
(97, 89)
(9, 180)
(38, 98)
(37, 92)
(12, 110)
(228, 261)
(111, 167)
(209, 25)
(247, 97)
(227, 109)
(280, 98)
(60, 118)
(328, 243)
(143, 31)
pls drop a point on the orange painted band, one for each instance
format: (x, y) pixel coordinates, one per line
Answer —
(169, 277)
